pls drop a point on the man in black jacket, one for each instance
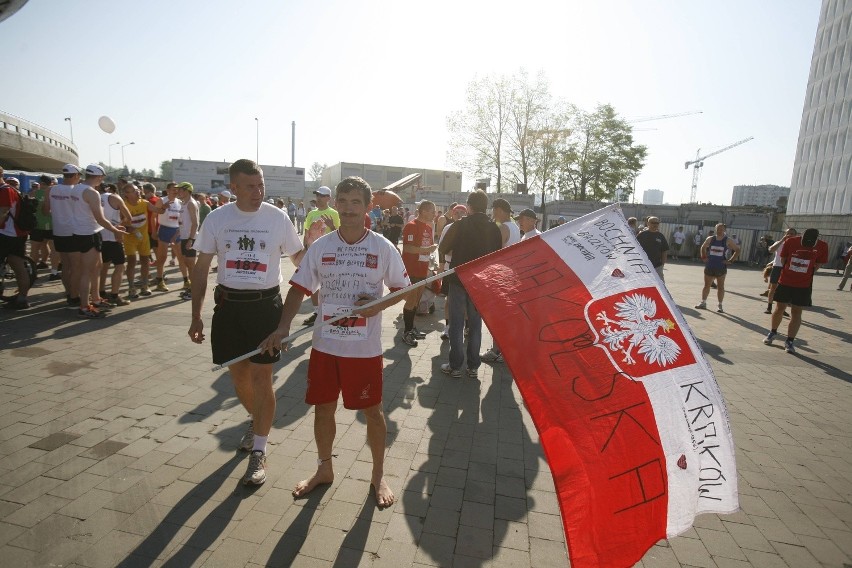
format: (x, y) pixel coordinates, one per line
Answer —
(472, 237)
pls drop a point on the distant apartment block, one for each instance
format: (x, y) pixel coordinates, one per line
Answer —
(761, 195)
(652, 197)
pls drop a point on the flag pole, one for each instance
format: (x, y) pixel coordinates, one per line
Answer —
(336, 319)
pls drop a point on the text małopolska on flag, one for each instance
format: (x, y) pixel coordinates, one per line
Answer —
(628, 411)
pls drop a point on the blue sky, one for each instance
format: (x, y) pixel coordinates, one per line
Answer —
(373, 81)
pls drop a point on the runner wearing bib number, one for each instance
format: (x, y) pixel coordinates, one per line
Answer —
(248, 238)
(349, 267)
(716, 265)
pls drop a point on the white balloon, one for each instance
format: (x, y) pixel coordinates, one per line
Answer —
(106, 124)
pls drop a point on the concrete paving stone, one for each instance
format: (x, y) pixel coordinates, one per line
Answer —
(480, 492)
(544, 526)
(92, 437)
(548, 553)
(61, 454)
(797, 556)
(441, 521)
(36, 510)
(21, 456)
(822, 517)
(748, 537)
(722, 562)
(32, 489)
(393, 554)
(46, 533)
(755, 506)
(776, 530)
(9, 532)
(842, 509)
(339, 514)
(88, 504)
(511, 534)
(435, 550)
(54, 441)
(70, 468)
(110, 550)
(451, 477)
(826, 551)
(16, 556)
(720, 543)
(447, 498)
(323, 542)
(511, 486)
(474, 542)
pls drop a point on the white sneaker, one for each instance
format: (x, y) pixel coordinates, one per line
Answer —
(454, 373)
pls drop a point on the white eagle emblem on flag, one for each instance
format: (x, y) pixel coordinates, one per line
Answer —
(636, 326)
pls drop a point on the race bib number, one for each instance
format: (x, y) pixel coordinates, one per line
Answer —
(353, 328)
(716, 251)
(245, 266)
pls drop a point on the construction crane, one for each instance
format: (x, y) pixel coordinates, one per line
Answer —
(698, 163)
(662, 116)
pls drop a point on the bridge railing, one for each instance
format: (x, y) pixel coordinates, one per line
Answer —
(28, 129)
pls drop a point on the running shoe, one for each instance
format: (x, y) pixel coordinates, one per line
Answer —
(701, 306)
(161, 286)
(186, 295)
(116, 300)
(17, 305)
(788, 347)
(132, 294)
(72, 303)
(310, 319)
(145, 292)
(765, 293)
(409, 339)
(418, 334)
(769, 337)
(247, 442)
(54, 277)
(256, 472)
(472, 373)
(102, 304)
(41, 265)
(90, 312)
(187, 285)
(768, 311)
(492, 356)
(445, 336)
(447, 370)
(172, 262)
(720, 310)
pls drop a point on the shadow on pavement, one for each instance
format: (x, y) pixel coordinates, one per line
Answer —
(714, 351)
(352, 549)
(204, 535)
(829, 370)
(294, 536)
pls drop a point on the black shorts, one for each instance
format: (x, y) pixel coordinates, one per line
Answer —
(775, 274)
(63, 244)
(112, 252)
(153, 242)
(800, 297)
(41, 235)
(715, 272)
(242, 321)
(85, 243)
(12, 246)
(186, 250)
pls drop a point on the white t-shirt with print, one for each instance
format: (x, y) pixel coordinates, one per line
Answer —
(341, 271)
(248, 245)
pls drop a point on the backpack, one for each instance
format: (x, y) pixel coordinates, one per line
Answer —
(25, 216)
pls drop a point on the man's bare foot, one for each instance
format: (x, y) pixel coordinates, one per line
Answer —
(323, 476)
(383, 494)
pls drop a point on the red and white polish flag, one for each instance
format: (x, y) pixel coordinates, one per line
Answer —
(629, 413)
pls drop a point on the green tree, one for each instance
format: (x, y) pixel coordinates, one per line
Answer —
(166, 170)
(600, 155)
(315, 171)
(478, 133)
(528, 115)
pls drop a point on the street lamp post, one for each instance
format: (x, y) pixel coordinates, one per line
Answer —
(110, 152)
(123, 163)
(71, 126)
(257, 141)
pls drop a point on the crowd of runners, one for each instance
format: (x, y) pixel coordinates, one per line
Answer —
(345, 254)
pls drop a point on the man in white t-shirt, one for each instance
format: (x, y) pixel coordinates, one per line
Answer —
(348, 267)
(248, 238)
(528, 223)
(168, 233)
(678, 238)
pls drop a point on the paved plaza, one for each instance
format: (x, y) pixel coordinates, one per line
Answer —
(118, 448)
